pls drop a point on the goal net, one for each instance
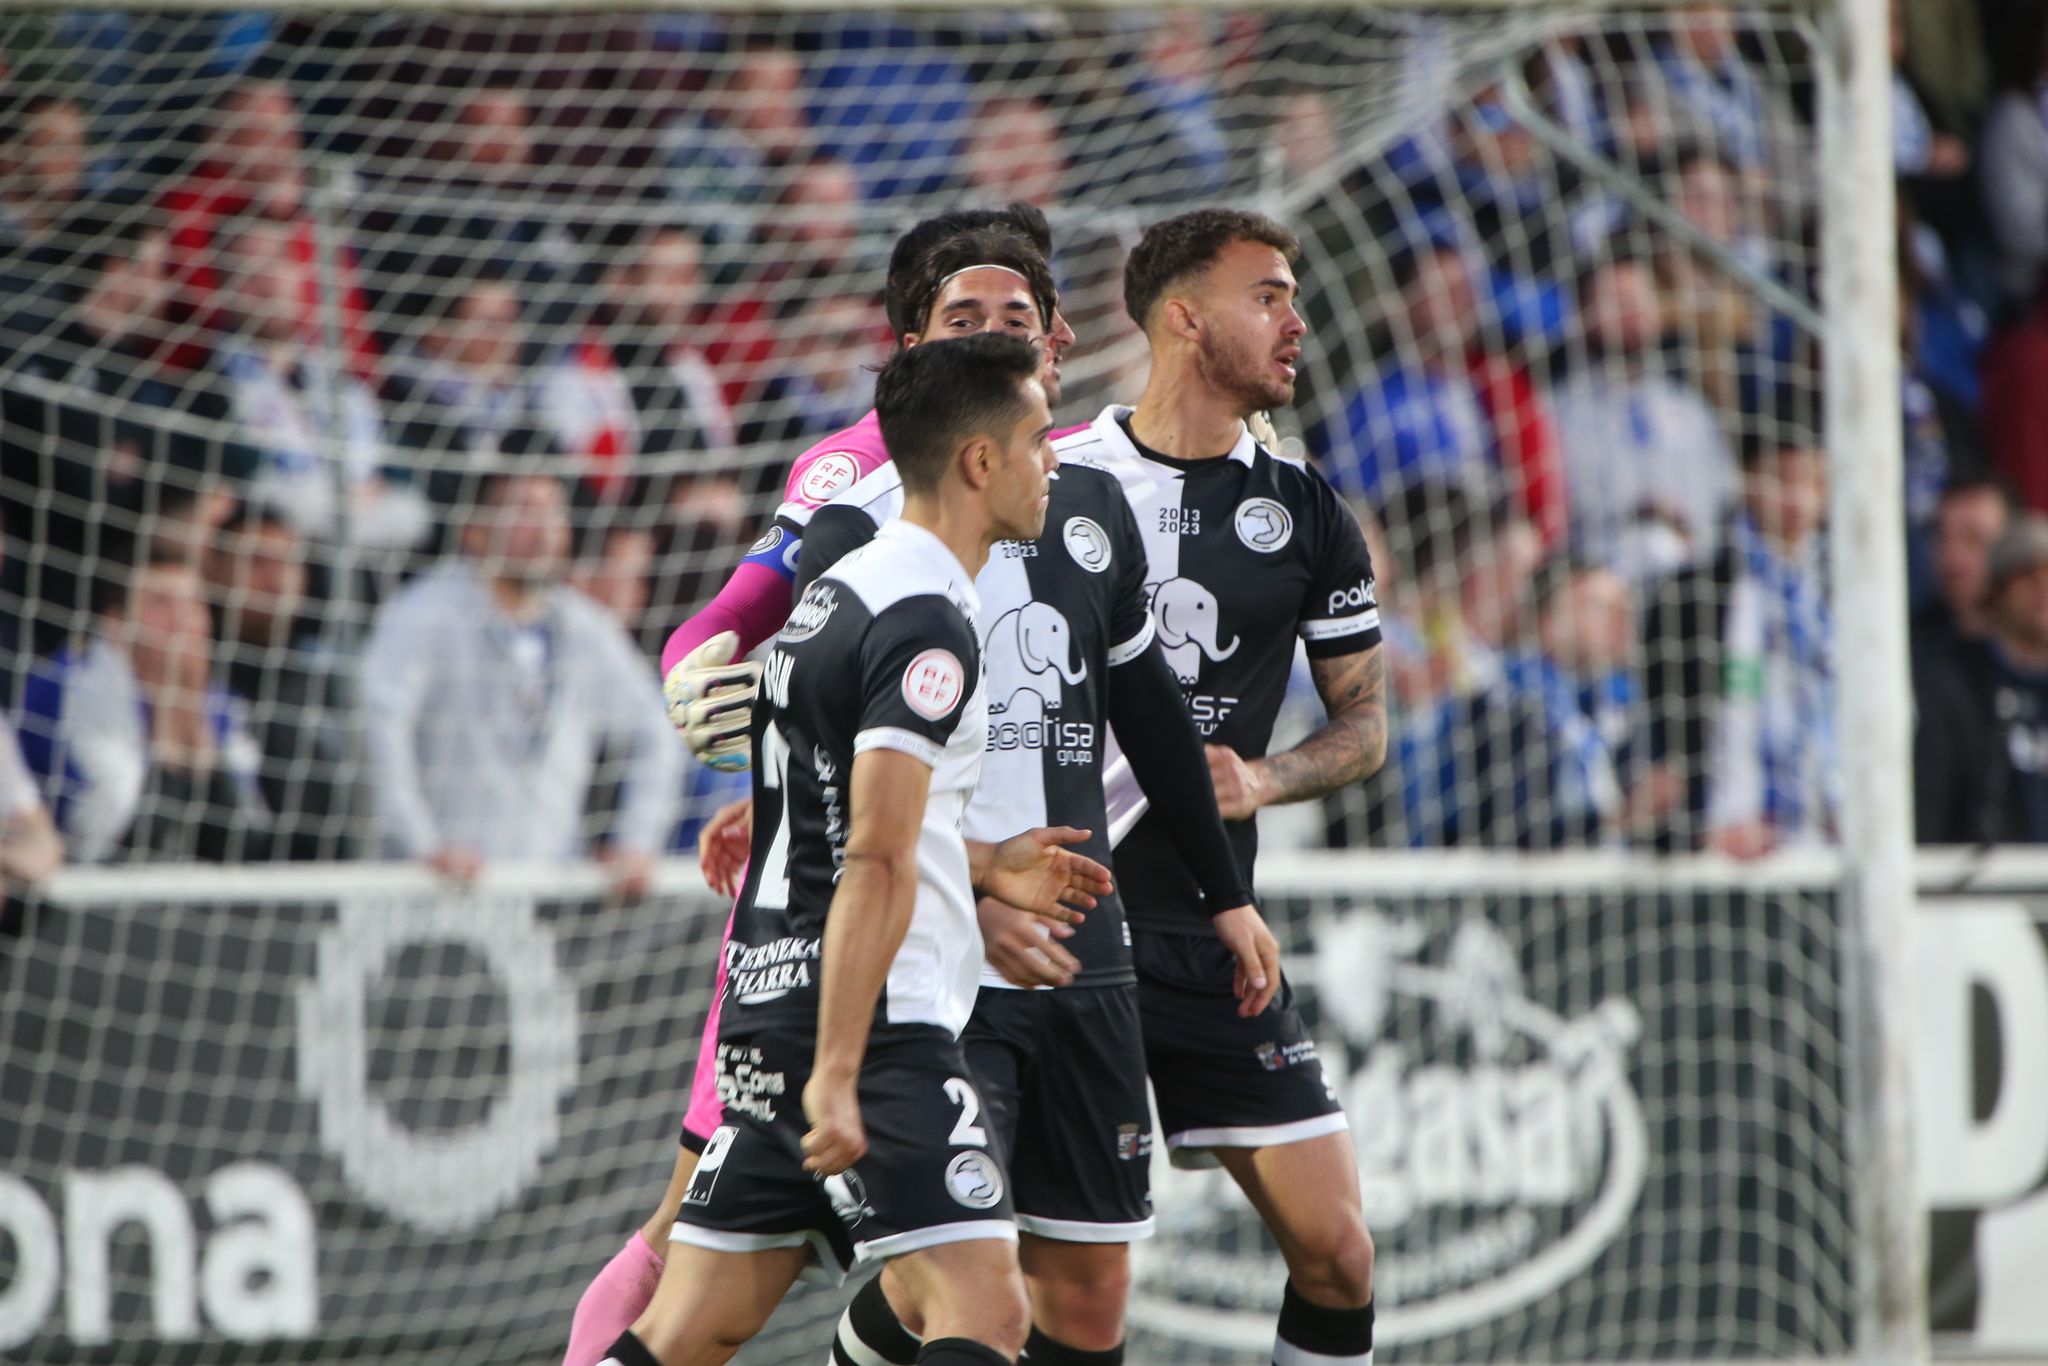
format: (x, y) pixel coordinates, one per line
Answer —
(282, 287)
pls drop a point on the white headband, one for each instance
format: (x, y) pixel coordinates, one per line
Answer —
(985, 266)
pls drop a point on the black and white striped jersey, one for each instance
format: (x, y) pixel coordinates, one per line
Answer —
(1247, 554)
(879, 654)
(1056, 615)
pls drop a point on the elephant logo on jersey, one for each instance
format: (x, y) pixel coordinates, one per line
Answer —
(974, 1179)
(1189, 621)
(1029, 649)
(1087, 543)
(849, 1197)
(1263, 525)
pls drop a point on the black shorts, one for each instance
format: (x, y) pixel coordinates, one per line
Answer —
(1222, 1081)
(930, 1175)
(1063, 1073)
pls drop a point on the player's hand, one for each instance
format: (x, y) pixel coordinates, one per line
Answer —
(711, 701)
(631, 871)
(1024, 947)
(836, 1139)
(1240, 788)
(456, 864)
(1257, 980)
(1035, 872)
(724, 844)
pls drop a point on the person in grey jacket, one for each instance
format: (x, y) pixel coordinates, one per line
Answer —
(490, 689)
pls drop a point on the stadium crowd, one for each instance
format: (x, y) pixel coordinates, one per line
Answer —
(375, 394)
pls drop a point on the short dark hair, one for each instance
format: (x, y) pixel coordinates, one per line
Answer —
(932, 398)
(253, 514)
(1188, 244)
(1026, 220)
(1785, 417)
(1979, 481)
(919, 290)
(1555, 576)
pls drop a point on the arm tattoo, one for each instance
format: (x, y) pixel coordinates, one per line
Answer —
(1351, 745)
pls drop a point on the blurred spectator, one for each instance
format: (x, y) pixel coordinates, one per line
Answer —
(141, 749)
(636, 401)
(1708, 92)
(1980, 742)
(1303, 139)
(30, 848)
(2012, 166)
(1727, 342)
(253, 166)
(807, 249)
(475, 190)
(1550, 741)
(1441, 409)
(44, 166)
(1739, 658)
(614, 573)
(1945, 57)
(288, 691)
(2015, 406)
(464, 397)
(1177, 125)
(98, 440)
(1968, 521)
(278, 388)
(708, 521)
(1468, 566)
(1015, 152)
(890, 102)
(1948, 326)
(729, 154)
(1650, 473)
(1919, 149)
(490, 689)
(1939, 445)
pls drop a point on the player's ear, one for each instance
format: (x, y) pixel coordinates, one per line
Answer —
(978, 461)
(1181, 319)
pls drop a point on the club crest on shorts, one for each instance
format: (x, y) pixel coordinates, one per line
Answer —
(1088, 543)
(709, 1164)
(1133, 1141)
(828, 474)
(933, 684)
(849, 1197)
(974, 1179)
(1263, 525)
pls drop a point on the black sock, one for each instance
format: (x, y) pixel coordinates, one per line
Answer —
(1311, 1335)
(1041, 1350)
(628, 1350)
(869, 1332)
(960, 1352)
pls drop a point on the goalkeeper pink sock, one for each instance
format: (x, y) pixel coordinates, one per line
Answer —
(613, 1301)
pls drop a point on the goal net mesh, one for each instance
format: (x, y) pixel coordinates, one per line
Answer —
(281, 286)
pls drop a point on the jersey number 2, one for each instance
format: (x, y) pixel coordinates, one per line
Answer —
(966, 1132)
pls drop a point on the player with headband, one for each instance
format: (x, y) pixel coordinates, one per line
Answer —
(708, 682)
